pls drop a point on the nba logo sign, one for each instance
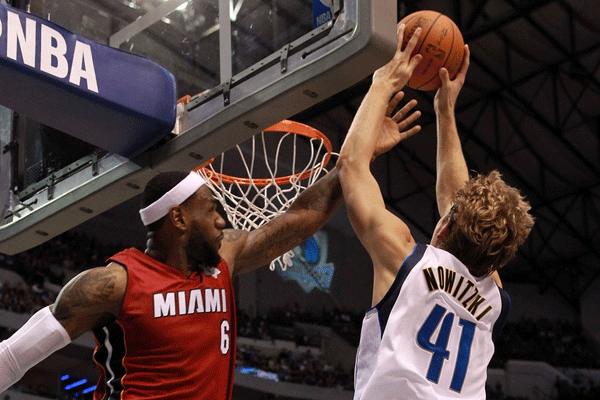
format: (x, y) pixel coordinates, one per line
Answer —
(324, 11)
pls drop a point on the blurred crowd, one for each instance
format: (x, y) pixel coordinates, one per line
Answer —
(577, 388)
(59, 258)
(559, 343)
(24, 299)
(286, 323)
(297, 367)
(292, 324)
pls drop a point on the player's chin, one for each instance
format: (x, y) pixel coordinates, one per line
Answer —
(214, 257)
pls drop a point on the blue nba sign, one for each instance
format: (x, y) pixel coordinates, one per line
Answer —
(323, 11)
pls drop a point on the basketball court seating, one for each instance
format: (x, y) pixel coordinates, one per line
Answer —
(238, 66)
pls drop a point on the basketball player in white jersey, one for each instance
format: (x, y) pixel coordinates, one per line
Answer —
(437, 308)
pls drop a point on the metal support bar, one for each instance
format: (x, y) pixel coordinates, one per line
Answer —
(227, 92)
(95, 163)
(225, 50)
(145, 21)
(284, 58)
(51, 187)
(22, 207)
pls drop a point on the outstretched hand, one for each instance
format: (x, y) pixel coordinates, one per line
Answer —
(395, 127)
(399, 69)
(445, 97)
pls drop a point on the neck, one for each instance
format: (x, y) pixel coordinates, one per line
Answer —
(172, 255)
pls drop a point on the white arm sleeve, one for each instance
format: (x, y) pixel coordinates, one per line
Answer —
(41, 336)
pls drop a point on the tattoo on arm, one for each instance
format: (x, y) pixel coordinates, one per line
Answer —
(231, 235)
(271, 241)
(325, 195)
(304, 217)
(89, 292)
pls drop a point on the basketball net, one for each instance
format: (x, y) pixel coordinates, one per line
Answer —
(288, 156)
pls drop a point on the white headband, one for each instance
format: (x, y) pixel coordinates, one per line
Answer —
(173, 197)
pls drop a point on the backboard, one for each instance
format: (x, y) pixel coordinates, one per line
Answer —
(245, 65)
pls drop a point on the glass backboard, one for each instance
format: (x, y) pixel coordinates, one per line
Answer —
(244, 65)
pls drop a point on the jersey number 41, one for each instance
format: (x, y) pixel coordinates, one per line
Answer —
(439, 349)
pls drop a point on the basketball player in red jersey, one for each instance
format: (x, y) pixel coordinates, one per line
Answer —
(164, 319)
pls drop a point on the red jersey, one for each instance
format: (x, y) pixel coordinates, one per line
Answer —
(174, 337)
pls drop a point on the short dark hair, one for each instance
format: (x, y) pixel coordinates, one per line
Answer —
(157, 187)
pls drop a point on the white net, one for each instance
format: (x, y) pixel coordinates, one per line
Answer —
(259, 179)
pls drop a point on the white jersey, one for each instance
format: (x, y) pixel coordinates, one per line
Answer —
(431, 336)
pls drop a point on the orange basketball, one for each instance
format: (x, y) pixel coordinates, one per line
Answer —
(441, 44)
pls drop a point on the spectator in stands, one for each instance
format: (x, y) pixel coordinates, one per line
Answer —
(23, 299)
(297, 367)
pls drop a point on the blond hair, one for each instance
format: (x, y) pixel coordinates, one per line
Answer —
(490, 220)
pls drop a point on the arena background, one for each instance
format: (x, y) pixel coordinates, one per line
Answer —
(530, 108)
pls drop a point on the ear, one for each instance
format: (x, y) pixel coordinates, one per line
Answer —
(444, 229)
(177, 217)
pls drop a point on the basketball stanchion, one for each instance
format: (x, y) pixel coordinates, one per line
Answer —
(259, 179)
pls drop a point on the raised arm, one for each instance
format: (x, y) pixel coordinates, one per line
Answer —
(245, 251)
(364, 201)
(89, 300)
(373, 120)
(452, 172)
(386, 238)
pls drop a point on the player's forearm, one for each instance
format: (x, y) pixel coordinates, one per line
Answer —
(306, 215)
(319, 201)
(452, 172)
(41, 336)
(360, 143)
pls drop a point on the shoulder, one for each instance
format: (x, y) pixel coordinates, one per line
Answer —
(110, 281)
(126, 255)
(118, 271)
(91, 299)
(99, 285)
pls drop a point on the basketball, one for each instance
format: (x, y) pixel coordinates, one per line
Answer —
(441, 44)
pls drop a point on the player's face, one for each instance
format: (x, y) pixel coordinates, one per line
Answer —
(202, 249)
(206, 231)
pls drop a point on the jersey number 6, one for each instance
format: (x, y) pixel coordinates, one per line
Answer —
(224, 336)
(439, 349)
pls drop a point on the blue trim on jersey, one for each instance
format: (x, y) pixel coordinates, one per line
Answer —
(501, 321)
(384, 307)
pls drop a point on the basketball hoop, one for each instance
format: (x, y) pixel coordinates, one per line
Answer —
(259, 179)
